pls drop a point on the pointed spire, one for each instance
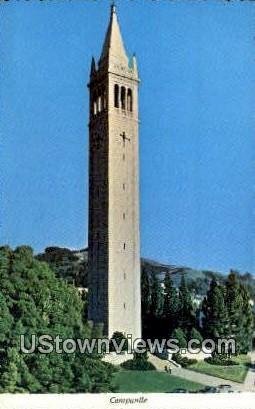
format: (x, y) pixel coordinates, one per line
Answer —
(113, 43)
(134, 65)
(93, 66)
(113, 7)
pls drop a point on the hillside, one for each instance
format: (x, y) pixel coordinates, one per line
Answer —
(72, 266)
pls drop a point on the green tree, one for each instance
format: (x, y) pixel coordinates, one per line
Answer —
(140, 362)
(145, 293)
(234, 303)
(66, 265)
(6, 321)
(186, 309)
(156, 296)
(179, 334)
(247, 321)
(171, 305)
(195, 334)
(215, 312)
(120, 340)
(34, 301)
(11, 376)
(154, 323)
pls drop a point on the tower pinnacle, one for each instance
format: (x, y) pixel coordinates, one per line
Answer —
(113, 44)
(113, 8)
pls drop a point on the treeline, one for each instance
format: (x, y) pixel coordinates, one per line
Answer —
(170, 312)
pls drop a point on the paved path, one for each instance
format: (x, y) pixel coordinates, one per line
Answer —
(204, 379)
(160, 364)
(248, 385)
(117, 359)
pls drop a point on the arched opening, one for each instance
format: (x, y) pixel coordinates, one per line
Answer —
(104, 99)
(99, 104)
(123, 97)
(129, 100)
(95, 107)
(116, 96)
(95, 102)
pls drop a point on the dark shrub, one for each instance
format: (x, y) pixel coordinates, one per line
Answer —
(120, 339)
(220, 360)
(138, 365)
(183, 361)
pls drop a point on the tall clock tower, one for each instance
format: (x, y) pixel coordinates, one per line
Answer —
(114, 242)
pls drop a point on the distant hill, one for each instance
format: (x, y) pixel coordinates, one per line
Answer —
(72, 266)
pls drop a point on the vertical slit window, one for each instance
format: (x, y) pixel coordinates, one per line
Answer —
(123, 97)
(129, 100)
(99, 103)
(104, 99)
(116, 96)
(95, 107)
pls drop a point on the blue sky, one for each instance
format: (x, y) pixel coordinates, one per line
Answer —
(196, 62)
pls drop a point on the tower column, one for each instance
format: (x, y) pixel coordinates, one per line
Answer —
(114, 242)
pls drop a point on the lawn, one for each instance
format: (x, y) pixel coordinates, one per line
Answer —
(235, 373)
(151, 381)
